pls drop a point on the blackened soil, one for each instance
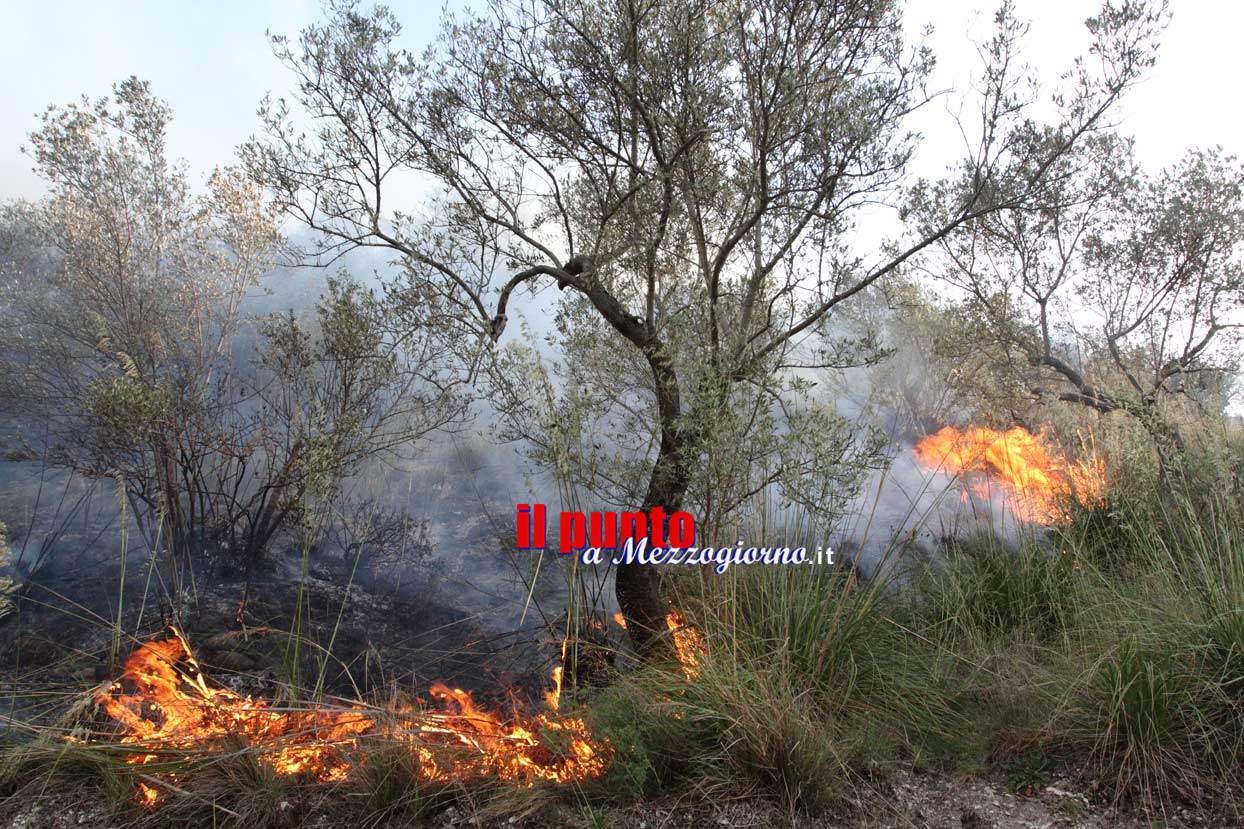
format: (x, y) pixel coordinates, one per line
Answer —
(351, 636)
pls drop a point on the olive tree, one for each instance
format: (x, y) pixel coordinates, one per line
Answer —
(125, 338)
(1123, 291)
(676, 183)
(128, 321)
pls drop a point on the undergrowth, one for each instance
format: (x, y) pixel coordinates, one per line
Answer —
(1111, 647)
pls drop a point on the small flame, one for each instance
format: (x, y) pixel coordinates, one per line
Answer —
(163, 703)
(688, 644)
(1036, 480)
(619, 620)
(554, 697)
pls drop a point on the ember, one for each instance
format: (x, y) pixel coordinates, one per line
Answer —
(1036, 481)
(165, 706)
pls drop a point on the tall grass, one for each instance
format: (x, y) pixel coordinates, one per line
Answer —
(1112, 646)
(1157, 702)
(805, 677)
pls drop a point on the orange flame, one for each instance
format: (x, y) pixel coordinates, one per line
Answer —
(688, 644)
(1036, 480)
(554, 697)
(164, 705)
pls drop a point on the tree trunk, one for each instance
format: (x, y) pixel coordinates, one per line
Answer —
(1169, 444)
(638, 586)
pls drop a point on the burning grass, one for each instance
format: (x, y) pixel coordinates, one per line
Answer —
(163, 706)
(688, 644)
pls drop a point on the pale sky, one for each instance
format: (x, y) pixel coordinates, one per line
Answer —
(212, 63)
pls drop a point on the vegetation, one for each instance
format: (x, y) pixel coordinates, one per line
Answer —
(1119, 293)
(690, 177)
(126, 342)
(1117, 654)
(693, 173)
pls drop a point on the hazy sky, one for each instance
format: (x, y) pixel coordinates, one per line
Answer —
(212, 62)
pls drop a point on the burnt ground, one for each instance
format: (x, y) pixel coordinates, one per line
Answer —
(422, 589)
(383, 634)
(434, 593)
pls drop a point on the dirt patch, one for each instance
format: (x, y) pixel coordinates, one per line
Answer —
(904, 798)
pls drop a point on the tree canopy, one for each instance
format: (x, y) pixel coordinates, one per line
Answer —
(690, 174)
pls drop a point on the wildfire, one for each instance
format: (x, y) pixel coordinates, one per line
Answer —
(1037, 481)
(688, 644)
(165, 706)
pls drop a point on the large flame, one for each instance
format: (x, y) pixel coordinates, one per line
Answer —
(166, 708)
(1037, 481)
